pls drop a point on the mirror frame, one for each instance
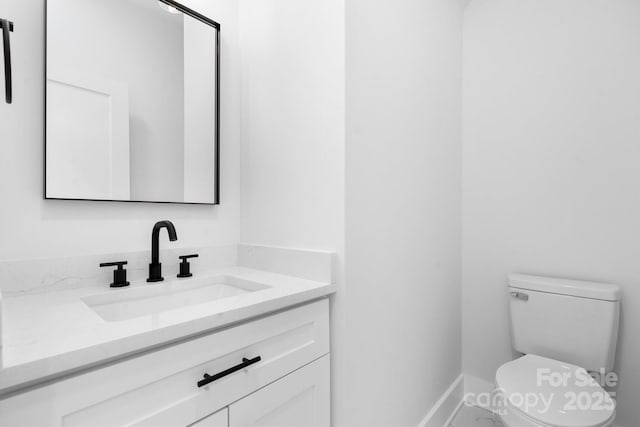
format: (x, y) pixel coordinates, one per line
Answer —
(193, 14)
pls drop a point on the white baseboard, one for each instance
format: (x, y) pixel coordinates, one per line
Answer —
(475, 386)
(446, 407)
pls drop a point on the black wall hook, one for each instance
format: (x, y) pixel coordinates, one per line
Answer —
(7, 28)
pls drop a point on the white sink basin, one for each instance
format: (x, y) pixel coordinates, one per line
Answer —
(156, 298)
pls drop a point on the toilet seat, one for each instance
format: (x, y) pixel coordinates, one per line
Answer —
(551, 393)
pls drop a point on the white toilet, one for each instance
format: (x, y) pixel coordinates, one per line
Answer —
(563, 328)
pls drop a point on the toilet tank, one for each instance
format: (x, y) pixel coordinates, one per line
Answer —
(568, 320)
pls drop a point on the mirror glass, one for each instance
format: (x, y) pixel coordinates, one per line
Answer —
(131, 102)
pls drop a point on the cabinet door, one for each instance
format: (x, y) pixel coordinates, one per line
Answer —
(183, 415)
(219, 419)
(300, 399)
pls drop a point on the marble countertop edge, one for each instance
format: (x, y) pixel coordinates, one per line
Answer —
(39, 368)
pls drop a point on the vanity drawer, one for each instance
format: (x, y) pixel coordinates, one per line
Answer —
(160, 388)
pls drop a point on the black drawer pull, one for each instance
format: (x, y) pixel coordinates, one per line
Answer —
(211, 378)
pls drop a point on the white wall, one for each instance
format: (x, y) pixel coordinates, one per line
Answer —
(33, 227)
(551, 177)
(293, 105)
(402, 208)
(293, 122)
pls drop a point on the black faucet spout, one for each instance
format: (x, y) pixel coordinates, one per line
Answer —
(155, 268)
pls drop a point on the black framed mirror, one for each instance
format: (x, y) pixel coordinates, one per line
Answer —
(132, 102)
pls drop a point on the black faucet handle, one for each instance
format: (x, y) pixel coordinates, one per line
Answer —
(118, 264)
(119, 274)
(185, 267)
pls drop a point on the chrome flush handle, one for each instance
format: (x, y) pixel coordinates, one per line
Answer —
(520, 295)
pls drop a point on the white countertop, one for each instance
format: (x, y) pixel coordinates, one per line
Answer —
(51, 334)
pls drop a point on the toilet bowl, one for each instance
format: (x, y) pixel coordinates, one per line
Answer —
(535, 391)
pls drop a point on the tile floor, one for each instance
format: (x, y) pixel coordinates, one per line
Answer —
(472, 416)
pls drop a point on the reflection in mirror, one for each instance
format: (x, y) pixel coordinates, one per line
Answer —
(131, 102)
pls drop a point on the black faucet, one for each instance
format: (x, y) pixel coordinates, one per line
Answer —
(155, 268)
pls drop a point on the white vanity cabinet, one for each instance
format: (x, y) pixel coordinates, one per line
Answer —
(219, 419)
(301, 399)
(289, 386)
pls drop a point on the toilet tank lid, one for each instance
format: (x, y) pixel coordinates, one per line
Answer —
(577, 288)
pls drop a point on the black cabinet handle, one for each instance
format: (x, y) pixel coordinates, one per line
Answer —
(7, 27)
(211, 378)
